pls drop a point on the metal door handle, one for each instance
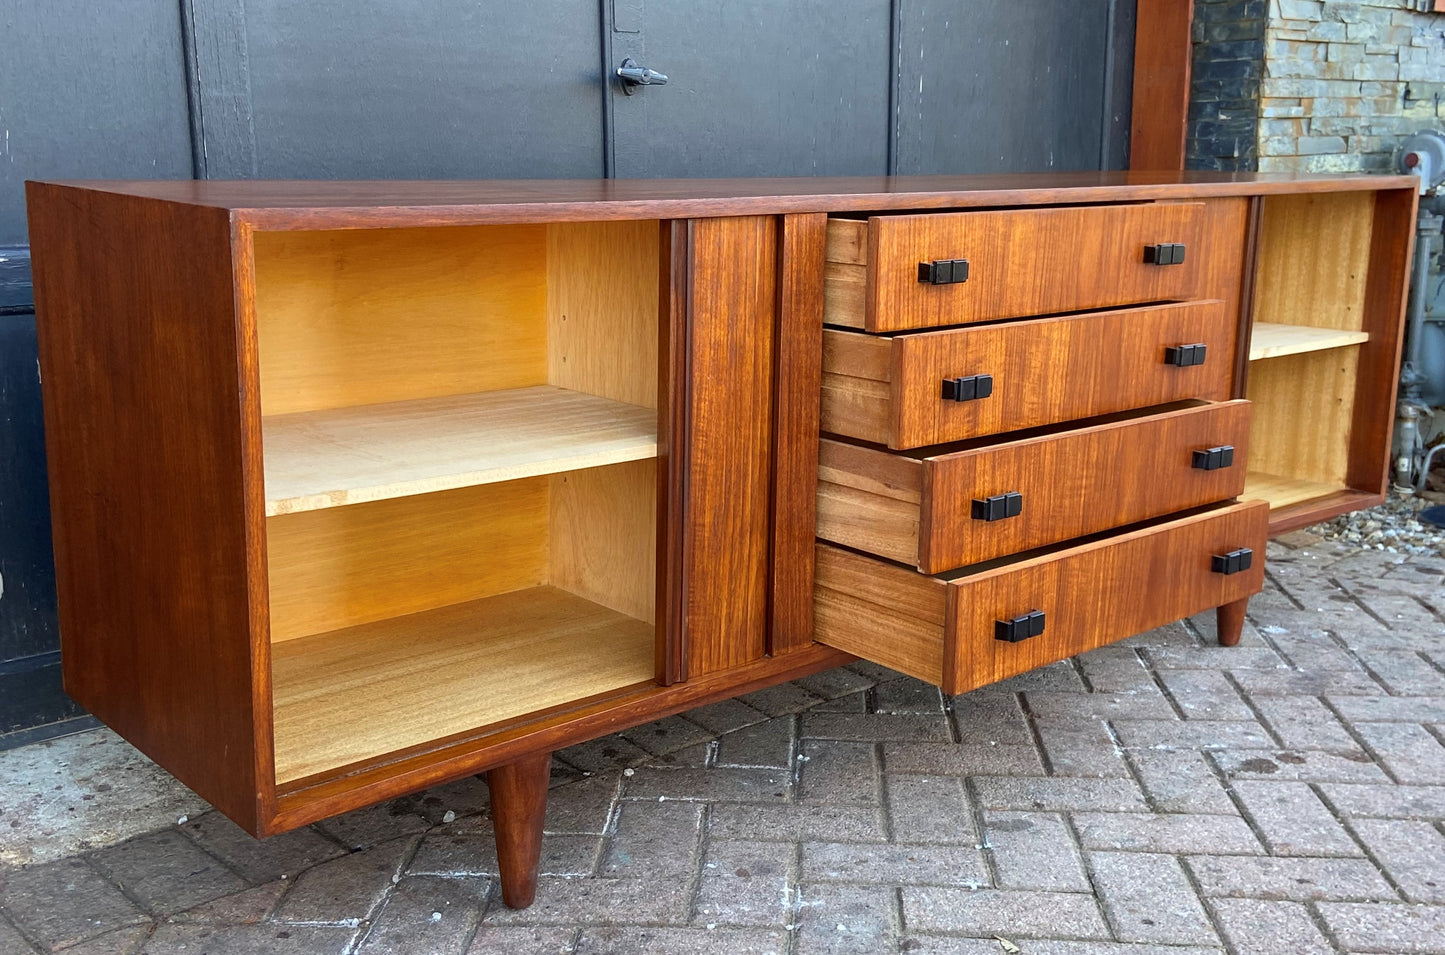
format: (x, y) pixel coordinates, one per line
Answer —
(634, 75)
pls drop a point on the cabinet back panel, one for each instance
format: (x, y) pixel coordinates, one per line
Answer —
(344, 566)
(604, 536)
(602, 305)
(1313, 260)
(1303, 408)
(373, 315)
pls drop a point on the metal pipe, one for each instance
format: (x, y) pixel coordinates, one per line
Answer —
(1427, 227)
(1425, 468)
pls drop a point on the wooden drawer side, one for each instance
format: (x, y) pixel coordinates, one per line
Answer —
(886, 614)
(1101, 592)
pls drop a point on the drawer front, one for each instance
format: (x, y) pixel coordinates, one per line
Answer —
(1040, 372)
(976, 505)
(947, 632)
(1020, 263)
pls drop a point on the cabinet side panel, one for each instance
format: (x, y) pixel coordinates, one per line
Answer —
(730, 422)
(799, 378)
(143, 417)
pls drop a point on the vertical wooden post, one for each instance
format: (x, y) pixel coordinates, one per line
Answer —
(1229, 620)
(1162, 59)
(519, 804)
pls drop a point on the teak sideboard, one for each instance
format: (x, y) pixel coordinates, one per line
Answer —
(361, 487)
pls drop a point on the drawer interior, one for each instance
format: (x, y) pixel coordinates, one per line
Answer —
(459, 438)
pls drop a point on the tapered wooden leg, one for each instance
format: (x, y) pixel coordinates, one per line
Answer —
(519, 801)
(1229, 621)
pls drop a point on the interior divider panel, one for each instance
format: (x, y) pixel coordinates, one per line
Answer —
(942, 509)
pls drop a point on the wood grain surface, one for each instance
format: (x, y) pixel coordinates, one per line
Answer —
(1044, 371)
(1275, 341)
(157, 534)
(1163, 51)
(1073, 483)
(1022, 262)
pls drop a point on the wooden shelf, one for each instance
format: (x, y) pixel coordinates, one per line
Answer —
(319, 459)
(1273, 341)
(366, 691)
(1283, 491)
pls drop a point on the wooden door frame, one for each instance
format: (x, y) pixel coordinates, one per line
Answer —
(1162, 56)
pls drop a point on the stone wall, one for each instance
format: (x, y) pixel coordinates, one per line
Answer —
(1312, 85)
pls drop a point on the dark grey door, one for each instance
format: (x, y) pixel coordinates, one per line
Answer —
(755, 88)
(1013, 85)
(386, 89)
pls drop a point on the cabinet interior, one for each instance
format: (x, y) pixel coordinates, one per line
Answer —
(459, 432)
(1309, 324)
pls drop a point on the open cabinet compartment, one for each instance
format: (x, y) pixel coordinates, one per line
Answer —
(1324, 350)
(459, 439)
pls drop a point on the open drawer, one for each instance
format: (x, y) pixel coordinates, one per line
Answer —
(949, 507)
(986, 623)
(909, 391)
(896, 272)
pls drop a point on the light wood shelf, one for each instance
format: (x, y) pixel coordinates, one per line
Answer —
(1271, 340)
(319, 459)
(1282, 491)
(366, 691)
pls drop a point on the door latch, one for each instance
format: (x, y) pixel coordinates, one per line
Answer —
(633, 74)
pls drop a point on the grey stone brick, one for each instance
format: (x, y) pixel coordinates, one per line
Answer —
(1389, 709)
(695, 941)
(12, 941)
(852, 703)
(1409, 751)
(1215, 658)
(963, 759)
(764, 744)
(261, 860)
(123, 941)
(1257, 927)
(745, 883)
(463, 797)
(1396, 929)
(1166, 832)
(654, 839)
(1058, 793)
(467, 848)
(907, 696)
(1115, 670)
(991, 718)
(364, 828)
(523, 940)
(1056, 677)
(666, 735)
(1413, 853)
(1194, 734)
(833, 771)
(737, 785)
(845, 919)
(1303, 722)
(953, 945)
(1305, 683)
(583, 806)
(1387, 802)
(725, 716)
(166, 872)
(427, 914)
(1148, 898)
(797, 823)
(876, 726)
(64, 902)
(346, 889)
(1299, 765)
(601, 902)
(243, 908)
(1034, 850)
(782, 699)
(1081, 748)
(931, 809)
(893, 864)
(991, 912)
(1181, 781)
(1144, 704)
(1307, 648)
(1204, 695)
(831, 684)
(1293, 821)
(604, 754)
(1404, 672)
(1298, 880)
(186, 938)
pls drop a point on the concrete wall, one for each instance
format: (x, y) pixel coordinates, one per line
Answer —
(1312, 85)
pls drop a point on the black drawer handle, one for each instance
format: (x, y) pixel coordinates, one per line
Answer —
(1164, 253)
(968, 388)
(1021, 628)
(1232, 562)
(1214, 459)
(998, 507)
(943, 271)
(1184, 355)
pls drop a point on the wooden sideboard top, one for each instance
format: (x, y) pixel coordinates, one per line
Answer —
(322, 204)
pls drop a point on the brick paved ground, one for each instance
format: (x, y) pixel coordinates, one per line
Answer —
(1163, 795)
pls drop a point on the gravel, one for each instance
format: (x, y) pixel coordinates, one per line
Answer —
(1392, 527)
